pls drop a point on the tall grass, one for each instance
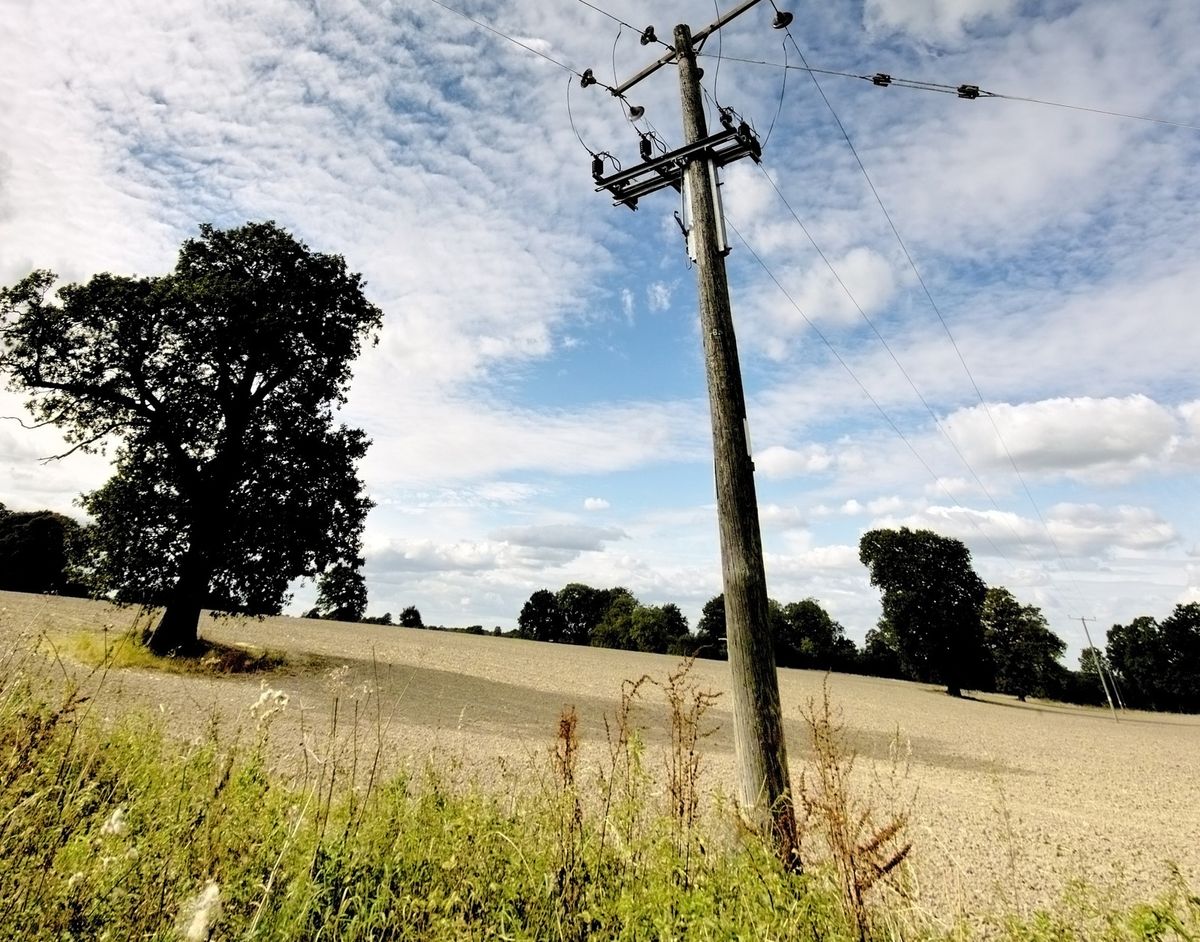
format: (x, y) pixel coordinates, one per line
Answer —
(119, 832)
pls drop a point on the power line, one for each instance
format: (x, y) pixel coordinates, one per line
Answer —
(886, 346)
(515, 42)
(647, 34)
(945, 327)
(964, 91)
(866, 392)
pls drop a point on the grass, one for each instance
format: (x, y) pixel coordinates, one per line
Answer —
(114, 649)
(117, 831)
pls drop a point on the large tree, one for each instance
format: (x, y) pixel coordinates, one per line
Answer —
(541, 619)
(806, 636)
(582, 609)
(220, 380)
(36, 548)
(710, 629)
(1023, 650)
(932, 601)
(1158, 663)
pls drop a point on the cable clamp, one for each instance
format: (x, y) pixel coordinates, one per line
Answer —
(968, 91)
(882, 79)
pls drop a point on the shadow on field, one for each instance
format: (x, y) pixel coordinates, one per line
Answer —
(445, 700)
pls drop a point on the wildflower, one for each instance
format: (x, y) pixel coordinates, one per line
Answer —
(116, 825)
(202, 913)
(75, 879)
(269, 701)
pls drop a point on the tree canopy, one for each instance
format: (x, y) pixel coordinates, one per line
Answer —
(806, 636)
(220, 381)
(541, 619)
(932, 602)
(1024, 652)
(35, 552)
(1158, 663)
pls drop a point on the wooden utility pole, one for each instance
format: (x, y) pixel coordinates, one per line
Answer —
(757, 718)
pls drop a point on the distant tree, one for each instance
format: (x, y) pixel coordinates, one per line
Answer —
(615, 629)
(657, 628)
(220, 380)
(410, 617)
(1022, 648)
(541, 619)
(342, 592)
(807, 637)
(35, 552)
(710, 629)
(880, 654)
(1158, 663)
(1091, 660)
(582, 608)
(932, 599)
(384, 619)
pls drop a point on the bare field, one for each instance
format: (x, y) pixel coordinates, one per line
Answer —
(1013, 801)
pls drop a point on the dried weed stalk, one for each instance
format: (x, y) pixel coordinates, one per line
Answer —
(687, 704)
(571, 878)
(863, 850)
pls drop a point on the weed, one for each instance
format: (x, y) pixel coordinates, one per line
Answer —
(863, 851)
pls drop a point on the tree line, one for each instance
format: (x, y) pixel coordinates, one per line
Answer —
(218, 385)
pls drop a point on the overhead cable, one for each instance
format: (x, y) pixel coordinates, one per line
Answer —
(964, 91)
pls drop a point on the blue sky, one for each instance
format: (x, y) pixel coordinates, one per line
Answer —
(537, 400)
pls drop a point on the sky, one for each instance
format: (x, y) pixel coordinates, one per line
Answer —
(1007, 356)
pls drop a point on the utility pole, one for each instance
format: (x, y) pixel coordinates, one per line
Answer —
(757, 718)
(1099, 665)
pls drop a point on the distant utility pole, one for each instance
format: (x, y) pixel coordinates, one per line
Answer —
(757, 718)
(1099, 665)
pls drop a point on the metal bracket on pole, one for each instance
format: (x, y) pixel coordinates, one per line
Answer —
(726, 146)
(671, 54)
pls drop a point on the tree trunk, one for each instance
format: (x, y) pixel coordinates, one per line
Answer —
(954, 690)
(178, 631)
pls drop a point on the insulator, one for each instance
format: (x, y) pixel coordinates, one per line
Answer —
(635, 112)
(727, 119)
(882, 79)
(782, 20)
(648, 36)
(588, 78)
(597, 166)
(644, 147)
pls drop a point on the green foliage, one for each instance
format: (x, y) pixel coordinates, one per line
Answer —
(1158, 663)
(35, 552)
(541, 619)
(805, 636)
(932, 601)
(632, 626)
(410, 617)
(582, 609)
(134, 834)
(342, 592)
(1022, 648)
(710, 629)
(220, 381)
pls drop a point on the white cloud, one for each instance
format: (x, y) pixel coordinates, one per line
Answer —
(945, 19)
(1110, 436)
(658, 296)
(595, 503)
(1072, 529)
(780, 462)
(561, 536)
